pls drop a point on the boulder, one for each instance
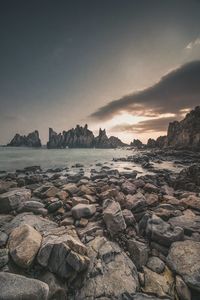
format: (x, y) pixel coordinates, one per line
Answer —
(111, 274)
(83, 211)
(63, 254)
(155, 264)
(182, 289)
(160, 285)
(13, 199)
(139, 252)
(23, 244)
(40, 224)
(17, 287)
(163, 233)
(184, 259)
(188, 221)
(113, 217)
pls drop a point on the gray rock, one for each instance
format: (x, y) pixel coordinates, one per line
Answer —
(111, 274)
(33, 206)
(3, 257)
(182, 289)
(40, 224)
(17, 287)
(3, 238)
(12, 200)
(184, 259)
(113, 217)
(57, 288)
(160, 285)
(128, 188)
(83, 211)
(62, 253)
(188, 221)
(156, 264)
(163, 233)
(24, 243)
(139, 252)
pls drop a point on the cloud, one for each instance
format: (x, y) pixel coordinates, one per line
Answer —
(176, 91)
(193, 44)
(151, 125)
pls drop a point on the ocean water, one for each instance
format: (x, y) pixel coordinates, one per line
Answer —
(12, 158)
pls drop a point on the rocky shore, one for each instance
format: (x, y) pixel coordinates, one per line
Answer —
(110, 235)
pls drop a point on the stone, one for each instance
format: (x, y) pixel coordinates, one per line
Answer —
(40, 224)
(3, 257)
(3, 238)
(155, 264)
(151, 188)
(67, 221)
(151, 199)
(13, 199)
(71, 188)
(57, 288)
(113, 217)
(62, 253)
(33, 206)
(160, 285)
(128, 188)
(192, 202)
(136, 203)
(15, 287)
(139, 252)
(188, 221)
(79, 200)
(83, 211)
(182, 289)
(55, 205)
(23, 244)
(129, 217)
(184, 259)
(111, 274)
(163, 233)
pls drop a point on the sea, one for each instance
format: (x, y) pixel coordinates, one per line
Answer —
(17, 158)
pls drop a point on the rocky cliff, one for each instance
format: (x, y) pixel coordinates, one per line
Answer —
(82, 137)
(186, 133)
(181, 135)
(31, 140)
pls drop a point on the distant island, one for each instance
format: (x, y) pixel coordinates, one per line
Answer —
(180, 135)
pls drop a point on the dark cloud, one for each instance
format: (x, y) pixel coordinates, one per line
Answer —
(177, 90)
(151, 125)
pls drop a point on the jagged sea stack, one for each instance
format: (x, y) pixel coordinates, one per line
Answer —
(31, 140)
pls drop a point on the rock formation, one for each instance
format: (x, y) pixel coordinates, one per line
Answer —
(82, 137)
(181, 135)
(102, 140)
(137, 144)
(186, 133)
(31, 140)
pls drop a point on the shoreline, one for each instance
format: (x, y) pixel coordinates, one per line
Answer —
(90, 225)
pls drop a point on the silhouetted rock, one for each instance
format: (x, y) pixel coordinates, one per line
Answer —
(186, 133)
(181, 135)
(102, 140)
(31, 140)
(137, 144)
(82, 137)
(151, 143)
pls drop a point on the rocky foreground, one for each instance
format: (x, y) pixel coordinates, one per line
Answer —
(108, 236)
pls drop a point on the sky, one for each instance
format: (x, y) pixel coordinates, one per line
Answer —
(130, 66)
